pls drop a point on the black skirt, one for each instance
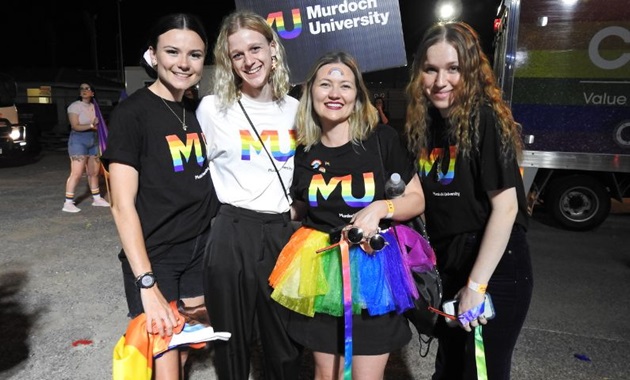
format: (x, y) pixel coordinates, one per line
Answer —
(370, 335)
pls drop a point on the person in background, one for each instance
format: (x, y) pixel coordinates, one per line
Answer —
(468, 146)
(379, 103)
(160, 183)
(249, 125)
(83, 148)
(340, 180)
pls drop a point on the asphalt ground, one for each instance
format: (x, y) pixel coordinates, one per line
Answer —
(62, 305)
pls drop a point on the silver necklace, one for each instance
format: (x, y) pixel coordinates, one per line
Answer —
(184, 126)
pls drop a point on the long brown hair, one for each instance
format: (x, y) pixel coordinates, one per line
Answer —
(477, 87)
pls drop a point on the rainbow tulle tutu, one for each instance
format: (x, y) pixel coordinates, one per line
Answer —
(308, 282)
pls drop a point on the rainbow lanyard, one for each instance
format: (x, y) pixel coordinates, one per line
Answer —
(347, 308)
(344, 248)
(480, 355)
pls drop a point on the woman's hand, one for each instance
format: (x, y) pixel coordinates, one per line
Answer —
(368, 218)
(160, 317)
(469, 299)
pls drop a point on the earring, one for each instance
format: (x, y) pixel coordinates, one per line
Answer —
(274, 62)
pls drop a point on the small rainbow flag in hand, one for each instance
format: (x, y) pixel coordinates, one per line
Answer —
(135, 350)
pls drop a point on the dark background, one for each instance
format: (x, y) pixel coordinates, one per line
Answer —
(86, 35)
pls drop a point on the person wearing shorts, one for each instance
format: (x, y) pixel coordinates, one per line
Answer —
(178, 268)
(161, 190)
(83, 148)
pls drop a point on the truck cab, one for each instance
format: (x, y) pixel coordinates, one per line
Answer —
(16, 143)
(564, 67)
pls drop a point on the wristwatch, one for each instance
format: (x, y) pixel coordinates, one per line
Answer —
(145, 280)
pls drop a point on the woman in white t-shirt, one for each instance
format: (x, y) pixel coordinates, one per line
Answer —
(249, 128)
(83, 148)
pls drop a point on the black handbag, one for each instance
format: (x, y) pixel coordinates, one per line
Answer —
(428, 283)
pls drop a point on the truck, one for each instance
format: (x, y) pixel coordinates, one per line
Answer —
(18, 141)
(564, 68)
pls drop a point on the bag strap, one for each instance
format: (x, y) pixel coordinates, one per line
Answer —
(266, 151)
(380, 155)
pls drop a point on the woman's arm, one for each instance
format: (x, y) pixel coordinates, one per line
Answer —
(409, 205)
(494, 241)
(74, 123)
(124, 188)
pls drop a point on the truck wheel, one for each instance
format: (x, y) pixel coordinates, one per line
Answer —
(579, 202)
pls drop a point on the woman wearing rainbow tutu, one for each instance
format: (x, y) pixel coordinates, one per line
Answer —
(342, 272)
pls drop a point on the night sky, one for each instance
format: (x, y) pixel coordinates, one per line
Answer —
(85, 35)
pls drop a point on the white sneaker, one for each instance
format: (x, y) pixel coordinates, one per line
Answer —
(70, 207)
(100, 202)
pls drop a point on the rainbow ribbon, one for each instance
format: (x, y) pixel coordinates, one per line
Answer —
(347, 308)
(472, 314)
(480, 355)
(101, 129)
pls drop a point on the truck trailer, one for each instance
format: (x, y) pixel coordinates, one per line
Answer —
(564, 67)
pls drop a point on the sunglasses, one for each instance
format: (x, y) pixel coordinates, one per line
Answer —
(85, 88)
(355, 235)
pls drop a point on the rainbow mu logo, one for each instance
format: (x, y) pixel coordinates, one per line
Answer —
(278, 19)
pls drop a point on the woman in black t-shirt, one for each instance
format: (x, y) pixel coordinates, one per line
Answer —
(347, 299)
(162, 194)
(468, 144)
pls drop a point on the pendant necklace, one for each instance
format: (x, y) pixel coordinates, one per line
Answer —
(184, 126)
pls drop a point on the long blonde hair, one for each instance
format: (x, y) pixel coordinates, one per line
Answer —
(477, 87)
(226, 83)
(363, 118)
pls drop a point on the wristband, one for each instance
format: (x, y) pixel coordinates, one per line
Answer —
(479, 288)
(390, 209)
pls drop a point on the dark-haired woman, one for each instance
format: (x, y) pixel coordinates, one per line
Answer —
(160, 183)
(83, 147)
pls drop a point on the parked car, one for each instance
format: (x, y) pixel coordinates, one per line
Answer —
(18, 142)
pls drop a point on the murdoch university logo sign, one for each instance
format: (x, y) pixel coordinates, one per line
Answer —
(370, 30)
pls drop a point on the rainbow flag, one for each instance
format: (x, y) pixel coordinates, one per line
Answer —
(101, 129)
(135, 350)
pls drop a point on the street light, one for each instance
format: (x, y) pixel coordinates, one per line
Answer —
(448, 10)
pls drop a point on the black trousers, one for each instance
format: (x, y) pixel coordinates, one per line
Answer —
(511, 288)
(240, 255)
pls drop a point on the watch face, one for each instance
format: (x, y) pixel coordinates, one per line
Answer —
(147, 281)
